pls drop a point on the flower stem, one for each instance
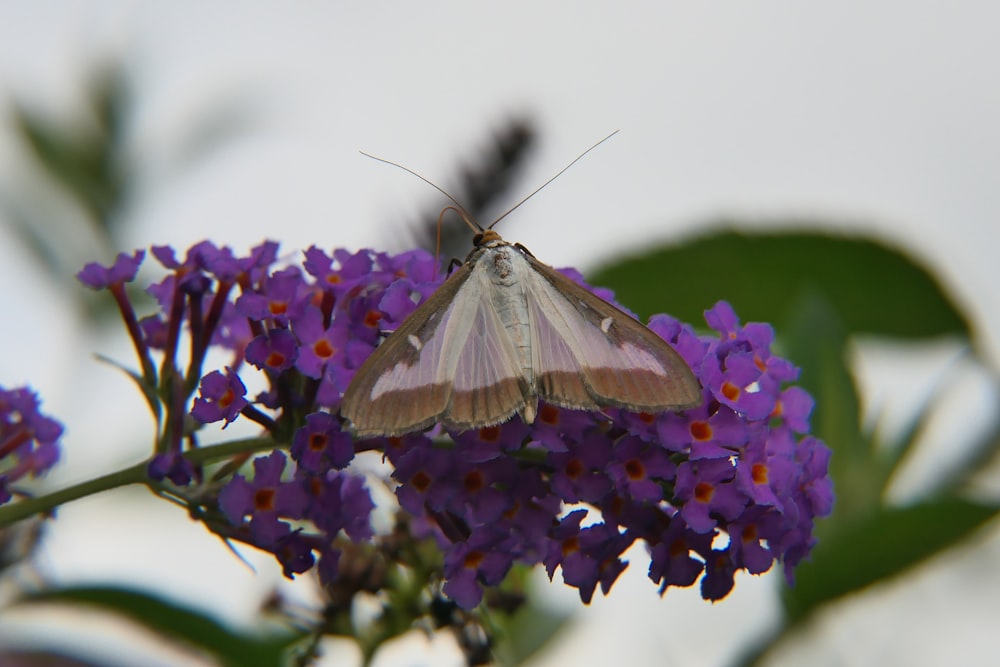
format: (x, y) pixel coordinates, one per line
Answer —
(23, 509)
(136, 474)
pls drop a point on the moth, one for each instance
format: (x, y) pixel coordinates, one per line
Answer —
(503, 332)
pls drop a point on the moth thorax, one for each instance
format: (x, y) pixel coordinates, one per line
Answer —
(503, 265)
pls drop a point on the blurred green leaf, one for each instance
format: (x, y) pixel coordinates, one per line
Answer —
(884, 544)
(85, 158)
(815, 338)
(28, 658)
(73, 200)
(527, 631)
(178, 623)
(875, 288)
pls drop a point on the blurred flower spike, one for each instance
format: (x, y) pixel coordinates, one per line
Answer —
(734, 484)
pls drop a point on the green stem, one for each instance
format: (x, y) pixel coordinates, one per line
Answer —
(23, 509)
(214, 453)
(136, 474)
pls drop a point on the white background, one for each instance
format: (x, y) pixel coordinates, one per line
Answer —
(874, 117)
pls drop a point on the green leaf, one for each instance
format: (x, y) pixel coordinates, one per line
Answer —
(877, 289)
(527, 632)
(884, 544)
(178, 623)
(815, 338)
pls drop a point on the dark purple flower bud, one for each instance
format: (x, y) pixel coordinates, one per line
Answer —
(172, 466)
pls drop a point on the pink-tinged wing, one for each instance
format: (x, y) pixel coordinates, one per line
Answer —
(449, 361)
(588, 354)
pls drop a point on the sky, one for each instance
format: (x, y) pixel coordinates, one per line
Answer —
(874, 118)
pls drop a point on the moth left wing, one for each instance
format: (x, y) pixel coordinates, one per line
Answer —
(398, 389)
(588, 354)
(450, 361)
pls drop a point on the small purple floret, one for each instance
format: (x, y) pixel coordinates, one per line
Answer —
(123, 270)
(222, 397)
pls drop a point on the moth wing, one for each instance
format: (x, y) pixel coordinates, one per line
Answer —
(432, 369)
(398, 388)
(588, 354)
(487, 382)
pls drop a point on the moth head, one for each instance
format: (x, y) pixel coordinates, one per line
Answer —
(485, 237)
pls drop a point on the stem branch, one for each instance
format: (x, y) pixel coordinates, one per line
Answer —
(135, 474)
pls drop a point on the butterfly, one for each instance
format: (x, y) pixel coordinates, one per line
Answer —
(503, 332)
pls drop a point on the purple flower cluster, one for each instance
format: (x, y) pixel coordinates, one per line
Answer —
(306, 330)
(28, 439)
(734, 484)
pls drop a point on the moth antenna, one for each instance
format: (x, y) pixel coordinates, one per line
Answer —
(458, 208)
(539, 188)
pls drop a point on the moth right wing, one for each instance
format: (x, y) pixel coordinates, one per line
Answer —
(588, 354)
